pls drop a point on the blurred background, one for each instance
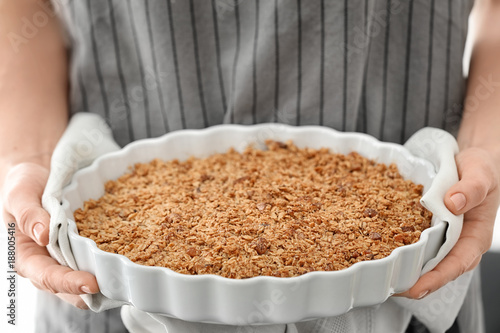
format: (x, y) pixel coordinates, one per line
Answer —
(490, 275)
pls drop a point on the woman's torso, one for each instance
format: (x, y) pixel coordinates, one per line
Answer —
(151, 67)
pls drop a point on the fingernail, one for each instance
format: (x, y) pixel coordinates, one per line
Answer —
(83, 306)
(423, 294)
(458, 200)
(85, 290)
(37, 230)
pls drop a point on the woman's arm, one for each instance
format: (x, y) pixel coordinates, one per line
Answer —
(33, 84)
(481, 120)
(34, 114)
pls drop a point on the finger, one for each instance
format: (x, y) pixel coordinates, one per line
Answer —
(448, 270)
(465, 255)
(73, 300)
(33, 221)
(419, 292)
(22, 199)
(476, 181)
(47, 274)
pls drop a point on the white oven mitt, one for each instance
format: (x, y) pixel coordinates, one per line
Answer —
(438, 310)
(88, 137)
(438, 147)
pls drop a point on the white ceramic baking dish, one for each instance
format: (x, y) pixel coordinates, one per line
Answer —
(258, 300)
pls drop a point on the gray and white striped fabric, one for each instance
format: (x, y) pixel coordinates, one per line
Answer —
(383, 67)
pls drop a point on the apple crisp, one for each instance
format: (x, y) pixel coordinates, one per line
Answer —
(282, 212)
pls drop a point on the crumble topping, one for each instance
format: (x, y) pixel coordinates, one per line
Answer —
(279, 212)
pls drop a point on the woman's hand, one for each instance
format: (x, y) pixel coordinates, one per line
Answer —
(477, 195)
(22, 196)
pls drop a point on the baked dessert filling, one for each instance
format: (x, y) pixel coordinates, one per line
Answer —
(282, 212)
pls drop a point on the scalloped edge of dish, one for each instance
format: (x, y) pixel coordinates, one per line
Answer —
(257, 300)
